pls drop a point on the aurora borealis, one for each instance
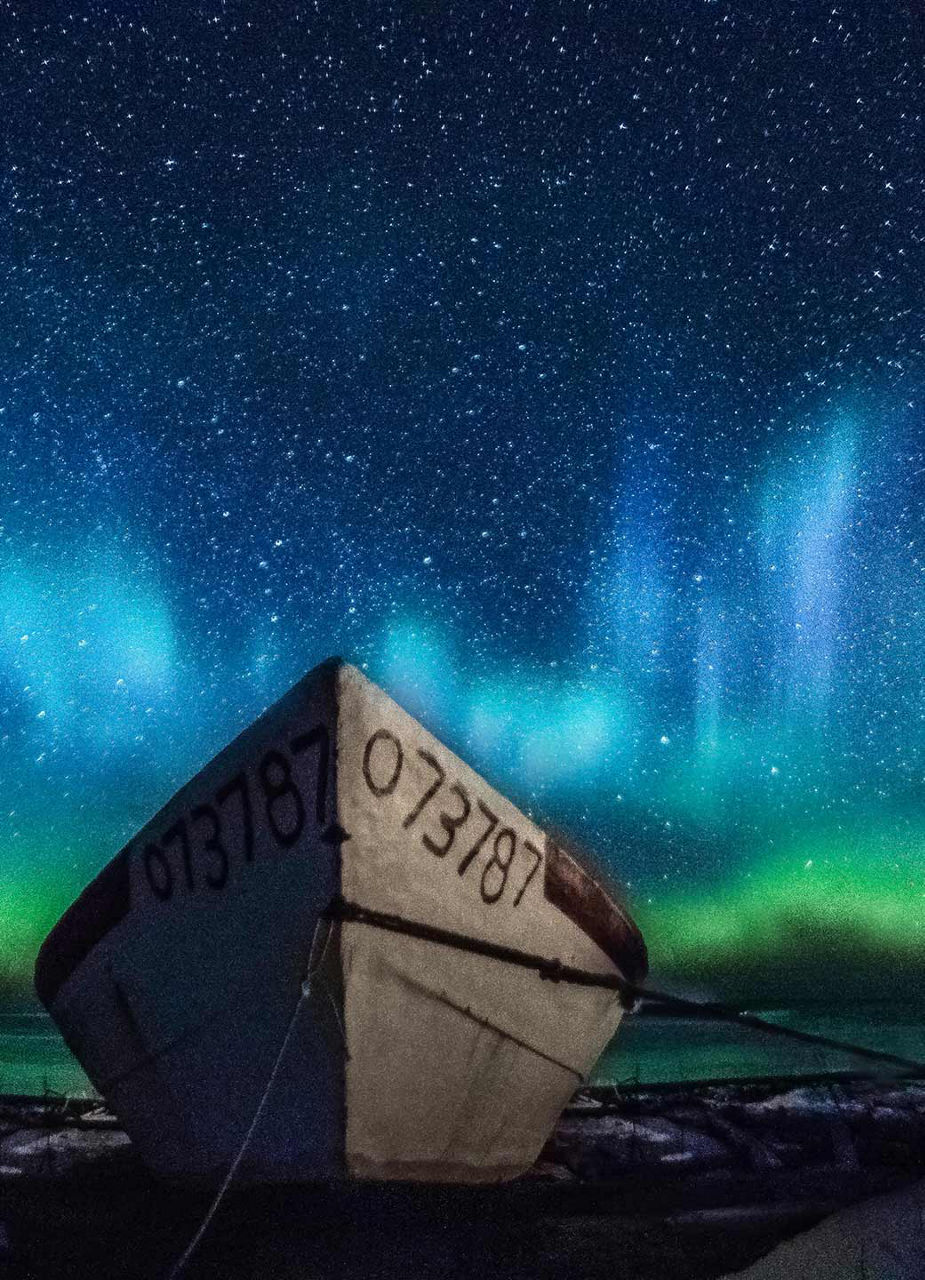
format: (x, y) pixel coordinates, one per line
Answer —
(562, 368)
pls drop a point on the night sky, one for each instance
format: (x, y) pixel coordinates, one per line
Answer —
(559, 364)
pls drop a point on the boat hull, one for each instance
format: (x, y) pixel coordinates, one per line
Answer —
(178, 976)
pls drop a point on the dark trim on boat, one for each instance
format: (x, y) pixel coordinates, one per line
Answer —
(578, 896)
(100, 907)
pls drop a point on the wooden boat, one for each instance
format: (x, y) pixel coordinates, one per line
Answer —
(338, 907)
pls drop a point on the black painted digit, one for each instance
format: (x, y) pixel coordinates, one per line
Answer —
(382, 788)
(179, 832)
(476, 848)
(302, 743)
(431, 791)
(162, 883)
(502, 865)
(276, 789)
(213, 845)
(531, 848)
(238, 786)
(450, 825)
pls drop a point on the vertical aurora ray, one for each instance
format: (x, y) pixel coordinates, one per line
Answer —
(806, 542)
(709, 678)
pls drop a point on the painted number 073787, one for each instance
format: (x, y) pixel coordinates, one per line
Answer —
(383, 764)
(271, 810)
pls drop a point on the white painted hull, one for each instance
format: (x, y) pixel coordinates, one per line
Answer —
(175, 976)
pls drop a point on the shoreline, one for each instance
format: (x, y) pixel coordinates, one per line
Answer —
(692, 1181)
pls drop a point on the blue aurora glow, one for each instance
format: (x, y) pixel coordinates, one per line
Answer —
(722, 681)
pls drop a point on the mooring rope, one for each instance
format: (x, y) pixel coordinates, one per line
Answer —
(554, 970)
(304, 992)
(549, 968)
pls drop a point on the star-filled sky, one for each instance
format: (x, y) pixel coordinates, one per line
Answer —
(560, 364)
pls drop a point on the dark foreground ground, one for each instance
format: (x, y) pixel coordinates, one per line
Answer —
(685, 1182)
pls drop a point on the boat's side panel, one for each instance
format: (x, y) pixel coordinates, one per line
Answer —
(482, 1055)
(437, 1092)
(179, 1009)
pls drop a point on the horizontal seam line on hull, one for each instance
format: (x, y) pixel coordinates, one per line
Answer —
(155, 1054)
(446, 999)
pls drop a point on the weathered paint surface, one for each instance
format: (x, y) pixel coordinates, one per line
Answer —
(473, 1058)
(178, 1010)
(408, 1059)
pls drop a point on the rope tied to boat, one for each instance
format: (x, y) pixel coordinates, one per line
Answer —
(549, 968)
(552, 972)
(305, 991)
(553, 969)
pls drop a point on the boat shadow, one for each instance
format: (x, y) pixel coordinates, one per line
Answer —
(117, 1223)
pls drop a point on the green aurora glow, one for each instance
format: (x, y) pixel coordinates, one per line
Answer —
(805, 925)
(794, 931)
